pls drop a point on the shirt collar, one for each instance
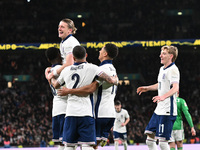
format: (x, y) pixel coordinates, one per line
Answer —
(76, 64)
(105, 62)
(66, 38)
(55, 65)
(169, 66)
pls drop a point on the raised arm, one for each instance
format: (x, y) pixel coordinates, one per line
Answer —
(142, 89)
(82, 91)
(69, 61)
(47, 71)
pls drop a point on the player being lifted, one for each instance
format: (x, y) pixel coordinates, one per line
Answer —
(66, 30)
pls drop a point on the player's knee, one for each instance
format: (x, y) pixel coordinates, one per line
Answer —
(151, 136)
(164, 145)
(116, 143)
(172, 145)
(124, 142)
(179, 144)
(151, 143)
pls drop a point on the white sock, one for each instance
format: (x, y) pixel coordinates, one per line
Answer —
(87, 148)
(116, 145)
(164, 145)
(125, 145)
(69, 148)
(61, 147)
(151, 143)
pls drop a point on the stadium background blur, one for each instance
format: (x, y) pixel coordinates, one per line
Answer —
(25, 106)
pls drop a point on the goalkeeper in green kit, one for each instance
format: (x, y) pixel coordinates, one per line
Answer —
(177, 135)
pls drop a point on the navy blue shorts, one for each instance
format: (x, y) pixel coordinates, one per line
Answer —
(161, 125)
(117, 135)
(79, 130)
(103, 126)
(57, 127)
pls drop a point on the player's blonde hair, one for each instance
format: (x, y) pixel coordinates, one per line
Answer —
(70, 24)
(171, 50)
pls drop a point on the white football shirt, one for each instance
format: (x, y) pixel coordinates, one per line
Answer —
(104, 96)
(120, 118)
(167, 76)
(59, 102)
(67, 45)
(75, 76)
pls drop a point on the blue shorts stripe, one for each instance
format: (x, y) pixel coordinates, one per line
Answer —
(99, 95)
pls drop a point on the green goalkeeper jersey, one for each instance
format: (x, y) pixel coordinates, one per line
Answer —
(182, 107)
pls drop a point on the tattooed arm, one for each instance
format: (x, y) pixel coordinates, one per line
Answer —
(112, 80)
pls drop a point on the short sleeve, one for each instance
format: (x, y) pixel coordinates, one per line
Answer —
(174, 75)
(127, 115)
(61, 78)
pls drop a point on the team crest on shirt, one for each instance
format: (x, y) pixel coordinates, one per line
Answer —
(63, 51)
(163, 77)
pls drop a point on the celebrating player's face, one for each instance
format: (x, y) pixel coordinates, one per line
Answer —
(101, 54)
(165, 57)
(63, 30)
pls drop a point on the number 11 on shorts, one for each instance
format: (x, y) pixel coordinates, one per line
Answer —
(161, 129)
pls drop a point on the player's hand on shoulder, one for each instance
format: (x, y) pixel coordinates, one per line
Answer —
(47, 71)
(50, 76)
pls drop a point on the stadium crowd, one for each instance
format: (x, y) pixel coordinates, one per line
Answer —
(101, 20)
(25, 108)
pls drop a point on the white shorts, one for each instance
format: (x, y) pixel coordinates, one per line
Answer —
(177, 135)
